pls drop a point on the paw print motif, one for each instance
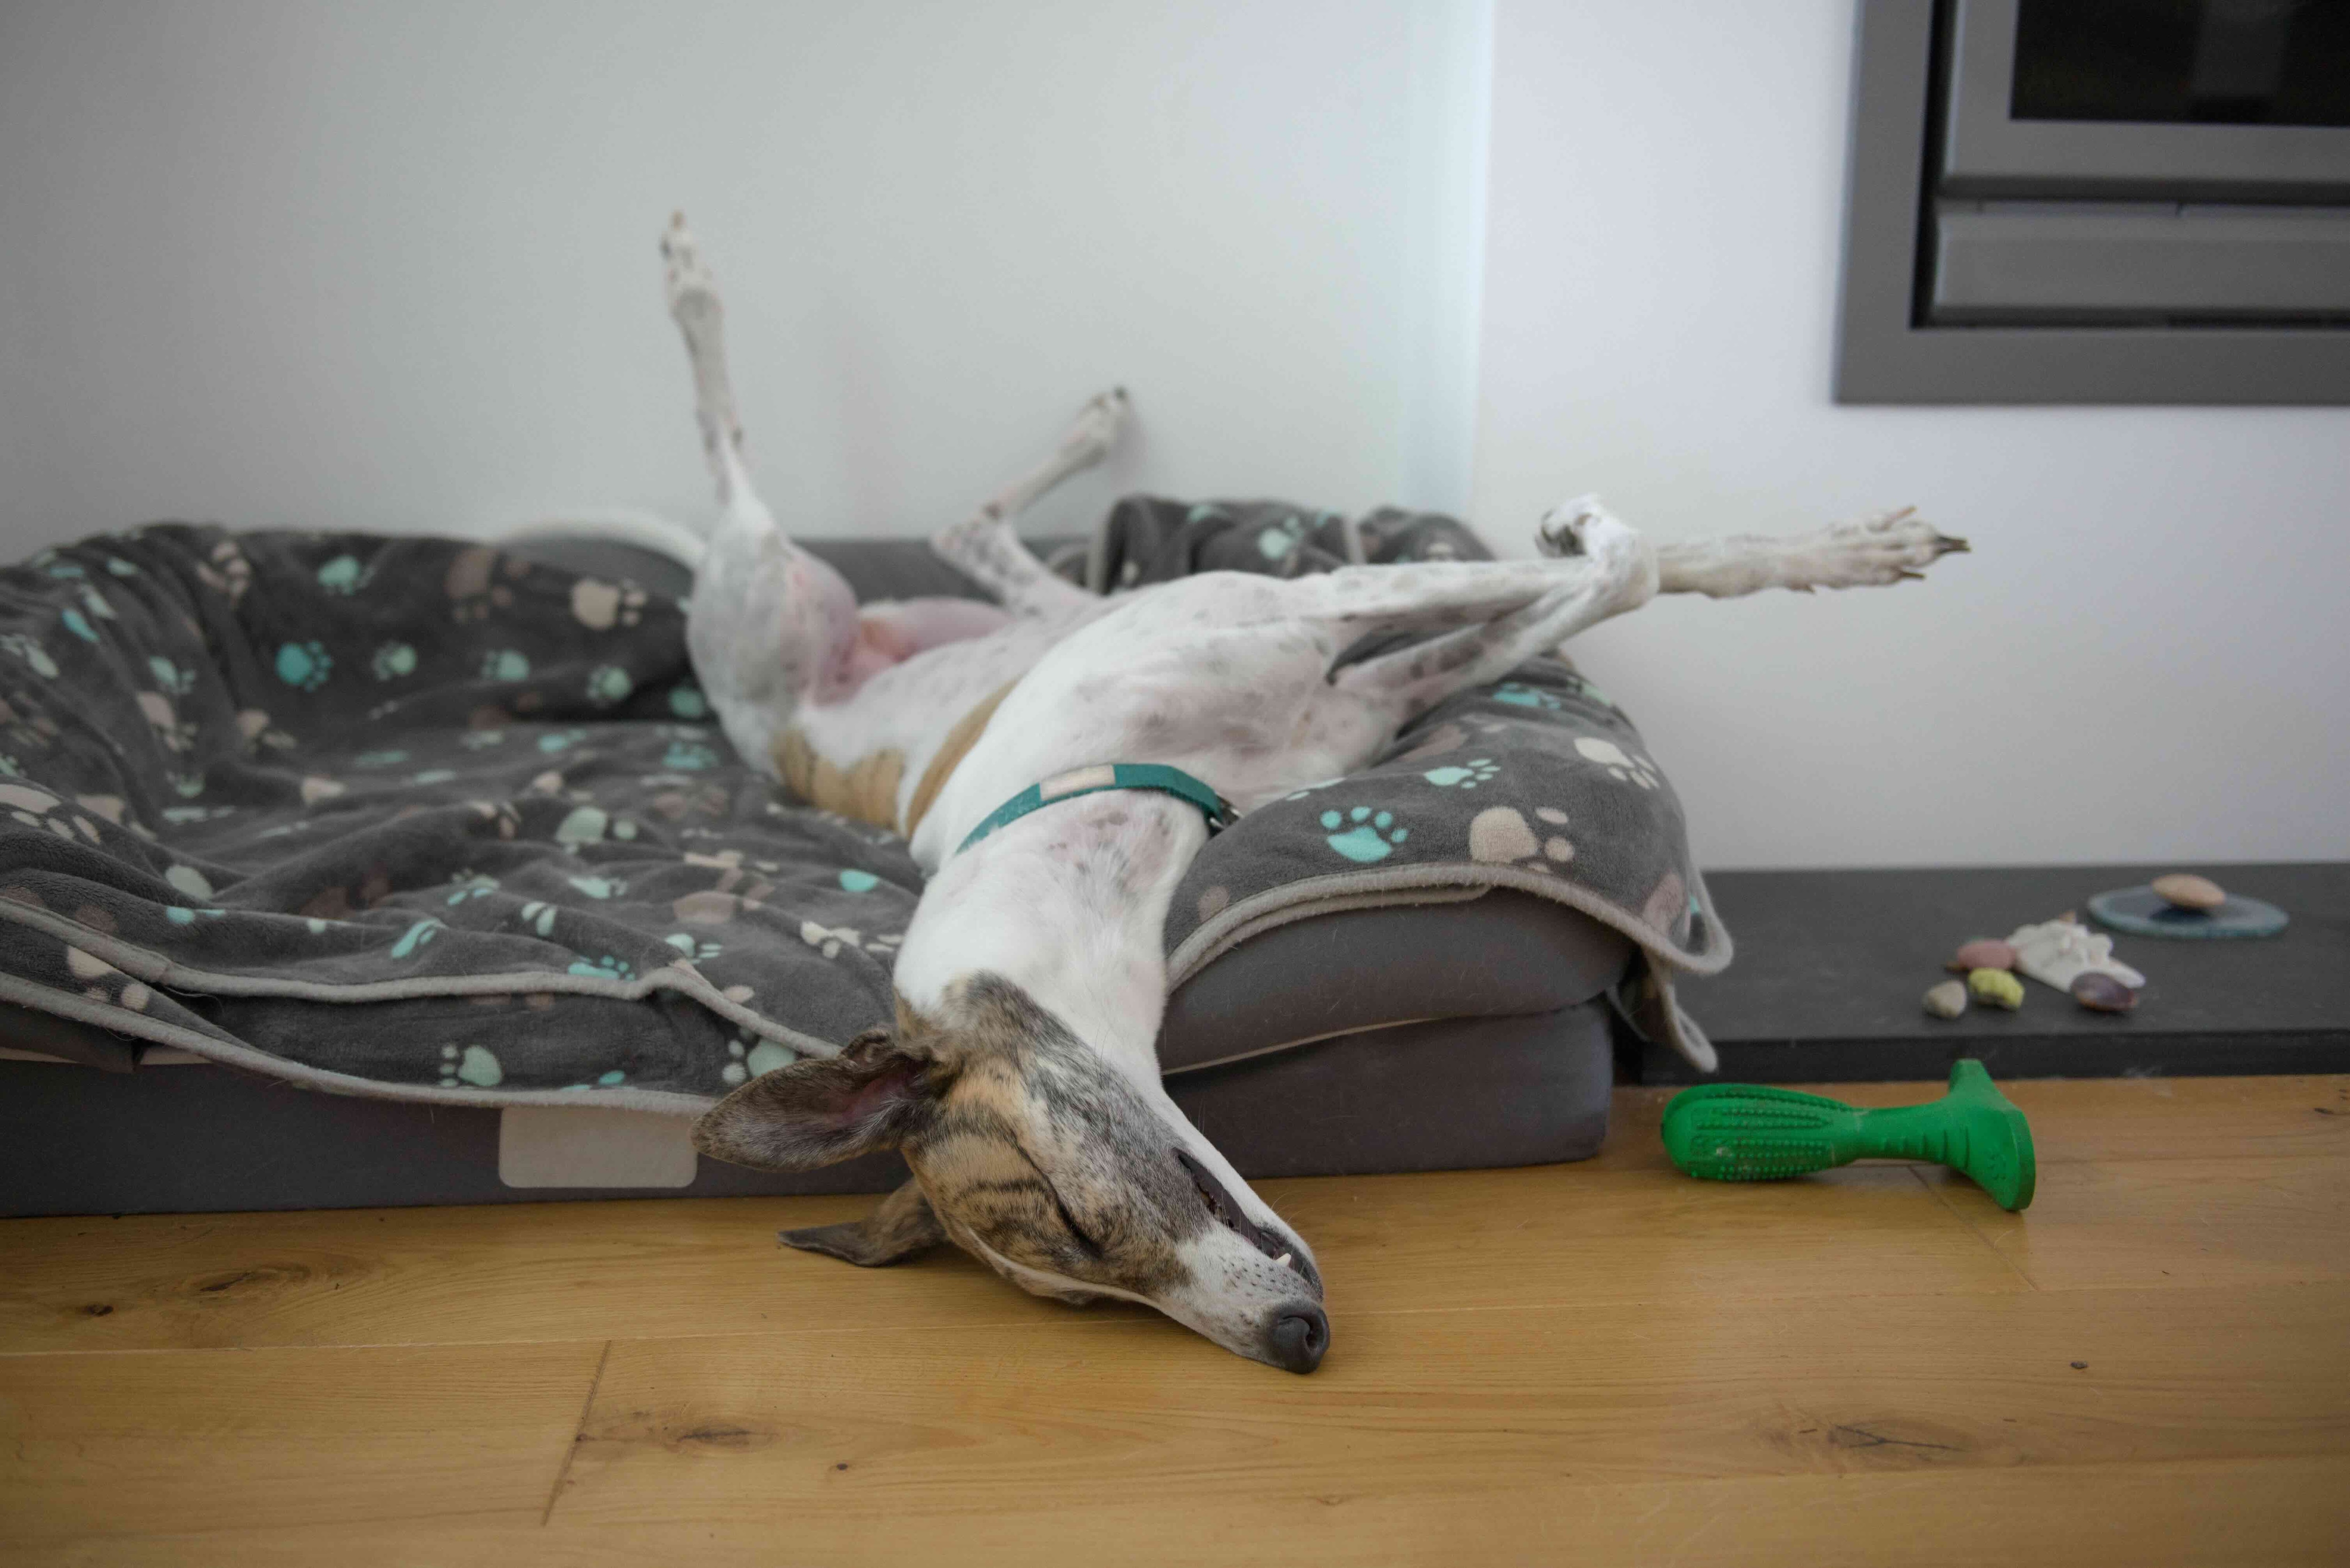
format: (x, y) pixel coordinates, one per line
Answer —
(343, 576)
(475, 1064)
(482, 740)
(228, 573)
(303, 665)
(601, 606)
(607, 684)
(472, 885)
(1621, 764)
(1277, 541)
(1520, 695)
(1309, 789)
(1500, 835)
(470, 586)
(688, 703)
(413, 939)
(561, 739)
(599, 886)
(504, 664)
(174, 734)
(583, 825)
(605, 968)
(173, 680)
(1477, 771)
(393, 661)
(74, 624)
(751, 1059)
(686, 756)
(829, 939)
(539, 918)
(1362, 835)
(694, 952)
(32, 653)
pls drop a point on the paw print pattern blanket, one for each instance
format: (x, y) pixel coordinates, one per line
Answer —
(411, 817)
(415, 817)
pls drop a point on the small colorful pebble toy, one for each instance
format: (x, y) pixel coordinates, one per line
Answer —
(1752, 1132)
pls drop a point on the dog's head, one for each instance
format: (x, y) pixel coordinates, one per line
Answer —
(1030, 1152)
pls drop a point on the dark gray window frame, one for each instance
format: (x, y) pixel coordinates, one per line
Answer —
(1885, 355)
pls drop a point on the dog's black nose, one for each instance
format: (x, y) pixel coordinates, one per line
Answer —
(1297, 1336)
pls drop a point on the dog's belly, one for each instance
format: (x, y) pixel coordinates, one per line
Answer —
(1246, 707)
(883, 755)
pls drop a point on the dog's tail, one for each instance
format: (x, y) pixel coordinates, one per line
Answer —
(647, 530)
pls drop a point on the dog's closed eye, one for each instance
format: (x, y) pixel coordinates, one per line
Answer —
(1227, 1213)
(1086, 1243)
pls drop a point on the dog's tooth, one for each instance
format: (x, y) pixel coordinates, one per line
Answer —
(1283, 1260)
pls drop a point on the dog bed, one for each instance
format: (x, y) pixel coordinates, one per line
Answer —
(434, 823)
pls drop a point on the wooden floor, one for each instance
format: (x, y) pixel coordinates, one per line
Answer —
(1603, 1363)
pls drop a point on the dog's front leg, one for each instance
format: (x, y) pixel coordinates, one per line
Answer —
(1875, 552)
(985, 545)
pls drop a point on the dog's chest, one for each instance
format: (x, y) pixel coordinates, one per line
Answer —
(1248, 708)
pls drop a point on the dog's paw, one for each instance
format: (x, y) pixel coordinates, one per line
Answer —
(1565, 529)
(1881, 550)
(1097, 427)
(683, 272)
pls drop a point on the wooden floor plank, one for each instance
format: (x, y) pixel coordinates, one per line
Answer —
(579, 1270)
(2161, 1223)
(597, 1270)
(1606, 1362)
(970, 1422)
(2262, 1514)
(101, 1445)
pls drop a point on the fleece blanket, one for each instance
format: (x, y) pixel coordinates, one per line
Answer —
(421, 818)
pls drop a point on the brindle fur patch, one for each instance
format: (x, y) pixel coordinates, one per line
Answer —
(1042, 1152)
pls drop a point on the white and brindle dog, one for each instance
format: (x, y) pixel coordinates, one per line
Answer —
(1021, 1081)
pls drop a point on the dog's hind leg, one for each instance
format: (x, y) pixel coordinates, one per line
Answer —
(985, 546)
(1882, 550)
(770, 627)
(1601, 569)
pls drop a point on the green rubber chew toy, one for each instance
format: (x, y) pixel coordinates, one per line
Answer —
(1750, 1132)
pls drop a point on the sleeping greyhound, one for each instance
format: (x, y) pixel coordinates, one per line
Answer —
(1056, 763)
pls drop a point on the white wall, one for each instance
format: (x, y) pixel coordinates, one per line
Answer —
(392, 266)
(2147, 656)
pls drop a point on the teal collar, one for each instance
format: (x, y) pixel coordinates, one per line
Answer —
(1109, 775)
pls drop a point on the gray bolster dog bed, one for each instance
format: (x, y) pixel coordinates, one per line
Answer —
(444, 830)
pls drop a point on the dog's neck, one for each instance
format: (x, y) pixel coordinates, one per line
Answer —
(1070, 903)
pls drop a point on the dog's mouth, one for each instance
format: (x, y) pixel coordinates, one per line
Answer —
(1226, 1212)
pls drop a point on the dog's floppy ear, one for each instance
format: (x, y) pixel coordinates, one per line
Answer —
(900, 1227)
(821, 1110)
